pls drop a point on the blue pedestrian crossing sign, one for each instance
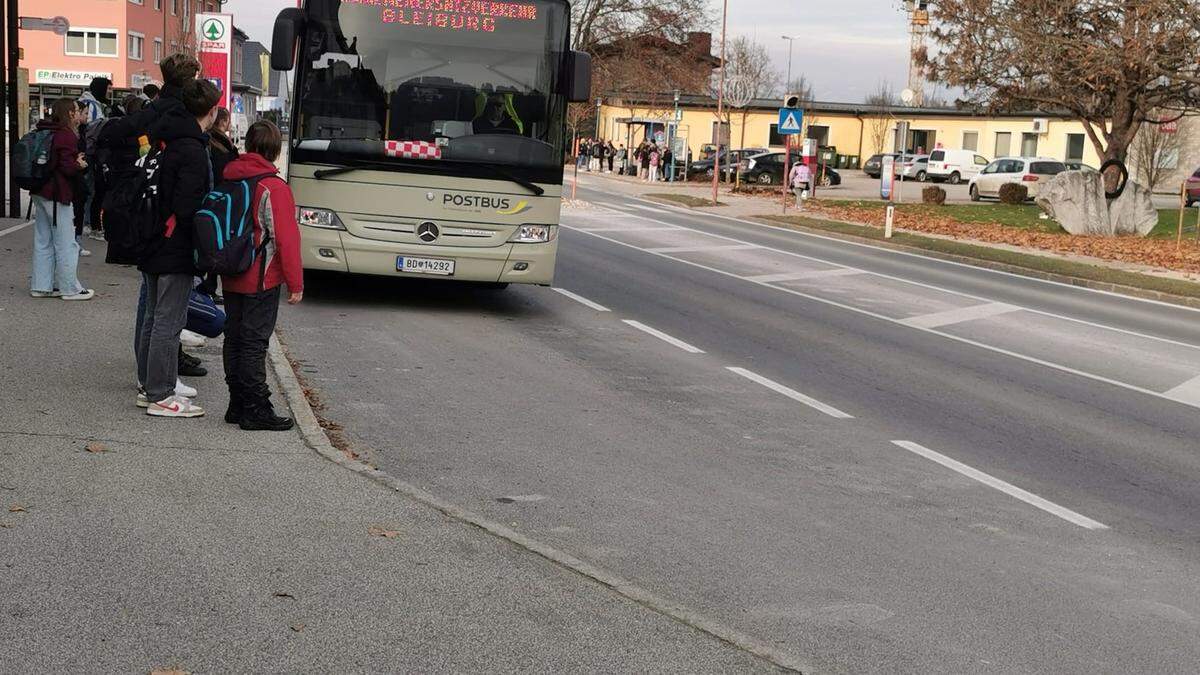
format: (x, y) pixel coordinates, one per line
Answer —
(790, 121)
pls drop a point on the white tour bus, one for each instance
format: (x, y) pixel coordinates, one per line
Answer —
(427, 136)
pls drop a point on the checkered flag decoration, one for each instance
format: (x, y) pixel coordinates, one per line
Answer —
(412, 149)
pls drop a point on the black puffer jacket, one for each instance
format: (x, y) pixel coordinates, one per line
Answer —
(140, 122)
(186, 176)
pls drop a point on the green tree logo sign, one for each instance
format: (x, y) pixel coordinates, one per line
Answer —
(213, 29)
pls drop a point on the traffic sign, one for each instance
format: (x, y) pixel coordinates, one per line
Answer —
(790, 121)
(59, 25)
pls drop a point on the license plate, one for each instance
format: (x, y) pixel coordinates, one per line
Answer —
(425, 266)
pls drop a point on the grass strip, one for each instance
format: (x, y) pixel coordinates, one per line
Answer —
(686, 200)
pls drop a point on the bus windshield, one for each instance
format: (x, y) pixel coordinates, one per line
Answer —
(433, 84)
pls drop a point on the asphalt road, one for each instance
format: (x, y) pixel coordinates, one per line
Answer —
(874, 461)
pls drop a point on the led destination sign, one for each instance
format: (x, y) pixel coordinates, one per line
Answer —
(464, 15)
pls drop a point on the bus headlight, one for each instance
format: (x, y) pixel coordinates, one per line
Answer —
(322, 218)
(533, 234)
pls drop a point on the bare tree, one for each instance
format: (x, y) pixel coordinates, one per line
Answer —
(1155, 151)
(1108, 62)
(880, 122)
(749, 65)
(601, 22)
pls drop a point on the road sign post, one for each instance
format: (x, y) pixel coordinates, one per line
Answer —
(791, 120)
(214, 36)
(58, 25)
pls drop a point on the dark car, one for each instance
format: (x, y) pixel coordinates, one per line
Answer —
(873, 167)
(705, 166)
(767, 169)
(1193, 188)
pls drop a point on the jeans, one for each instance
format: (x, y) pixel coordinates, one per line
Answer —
(158, 347)
(250, 320)
(55, 253)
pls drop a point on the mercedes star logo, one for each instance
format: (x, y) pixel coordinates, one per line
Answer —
(427, 232)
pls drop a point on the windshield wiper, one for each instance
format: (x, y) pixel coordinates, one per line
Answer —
(322, 174)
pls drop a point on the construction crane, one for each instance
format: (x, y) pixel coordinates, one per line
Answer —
(918, 32)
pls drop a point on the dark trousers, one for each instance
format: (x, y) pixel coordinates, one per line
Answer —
(249, 322)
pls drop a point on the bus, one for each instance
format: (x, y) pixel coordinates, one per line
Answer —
(427, 136)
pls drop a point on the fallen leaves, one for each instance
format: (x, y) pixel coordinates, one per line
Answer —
(169, 671)
(285, 596)
(16, 508)
(376, 531)
(297, 627)
(95, 448)
(1160, 253)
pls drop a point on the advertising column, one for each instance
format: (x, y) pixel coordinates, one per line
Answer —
(214, 37)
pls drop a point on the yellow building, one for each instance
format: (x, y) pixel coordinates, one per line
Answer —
(856, 131)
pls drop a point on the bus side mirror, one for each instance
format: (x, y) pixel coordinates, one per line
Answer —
(581, 78)
(288, 25)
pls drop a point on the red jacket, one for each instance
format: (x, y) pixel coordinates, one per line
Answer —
(275, 207)
(63, 151)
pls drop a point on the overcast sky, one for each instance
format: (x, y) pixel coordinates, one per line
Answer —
(847, 46)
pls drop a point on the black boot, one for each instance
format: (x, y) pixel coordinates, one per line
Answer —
(189, 366)
(236, 410)
(261, 417)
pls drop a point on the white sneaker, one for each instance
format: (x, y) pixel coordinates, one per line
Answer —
(85, 294)
(45, 294)
(142, 400)
(96, 235)
(83, 253)
(190, 339)
(175, 406)
(183, 390)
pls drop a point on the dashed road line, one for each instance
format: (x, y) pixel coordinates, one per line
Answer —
(1007, 488)
(16, 228)
(959, 315)
(581, 300)
(1188, 392)
(691, 349)
(791, 393)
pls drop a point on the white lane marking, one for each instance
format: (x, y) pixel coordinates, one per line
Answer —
(649, 208)
(15, 228)
(810, 274)
(959, 315)
(664, 337)
(581, 300)
(925, 258)
(1007, 488)
(1188, 392)
(791, 393)
(882, 317)
(930, 286)
(702, 247)
(632, 229)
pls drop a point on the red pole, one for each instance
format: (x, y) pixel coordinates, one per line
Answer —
(720, 105)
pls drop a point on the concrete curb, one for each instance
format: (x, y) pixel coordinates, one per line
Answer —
(315, 438)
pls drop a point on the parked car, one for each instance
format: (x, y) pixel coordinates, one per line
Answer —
(1193, 188)
(705, 166)
(873, 167)
(767, 169)
(955, 166)
(913, 167)
(1080, 166)
(1028, 171)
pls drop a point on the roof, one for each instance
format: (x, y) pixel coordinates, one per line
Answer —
(773, 104)
(252, 71)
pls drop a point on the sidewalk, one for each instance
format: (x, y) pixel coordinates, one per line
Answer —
(130, 544)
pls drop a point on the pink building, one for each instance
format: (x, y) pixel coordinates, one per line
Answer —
(122, 40)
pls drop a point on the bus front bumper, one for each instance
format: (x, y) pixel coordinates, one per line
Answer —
(340, 251)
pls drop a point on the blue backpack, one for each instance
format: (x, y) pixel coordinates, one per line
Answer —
(33, 161)
(224, 229)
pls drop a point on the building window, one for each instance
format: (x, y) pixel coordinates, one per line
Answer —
(137, 2)
(158, 49)
(174, 7)
(187, 8)
(1029, 143)
(773, 138)
(137, 45)
(720, 134)
(158, 5)
(819, 133)
(1074, 147)
(91, 42)
(1003, 144)
(971, 141)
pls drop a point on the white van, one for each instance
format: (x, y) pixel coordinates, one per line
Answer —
(955, 166)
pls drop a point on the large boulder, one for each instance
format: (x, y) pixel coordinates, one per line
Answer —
(1133, 212)
(1076, 200)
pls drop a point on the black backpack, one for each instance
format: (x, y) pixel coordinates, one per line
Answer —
(130, 211)
(33, 160)
(223, 233)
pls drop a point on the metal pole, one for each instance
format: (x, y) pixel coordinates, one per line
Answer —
(720, 104)
(597, 118)
(4, 85)
(674, 133)
(14, 52)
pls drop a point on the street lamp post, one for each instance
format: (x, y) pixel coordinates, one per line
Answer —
(674, 133)
(720, 104)
(597, 118)
(791, 40)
